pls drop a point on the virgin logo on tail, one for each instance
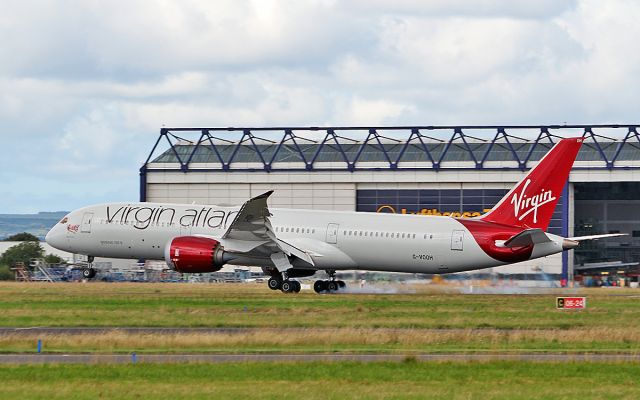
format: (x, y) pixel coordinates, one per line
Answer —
(524, 205)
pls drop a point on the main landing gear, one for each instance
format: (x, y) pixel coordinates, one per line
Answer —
(287, 286)
(281, 281)
(330, 285)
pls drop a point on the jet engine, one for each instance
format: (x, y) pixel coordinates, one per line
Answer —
(194, 254)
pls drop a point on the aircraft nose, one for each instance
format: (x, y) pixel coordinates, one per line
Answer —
(55, 238)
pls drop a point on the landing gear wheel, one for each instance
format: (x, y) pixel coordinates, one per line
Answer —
(320, 286)
(341, 284)
(88, 273)
(296, 286)
(332, 286)
(274, 283)
(287, 286)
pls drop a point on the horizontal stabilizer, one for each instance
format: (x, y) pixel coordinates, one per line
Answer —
(596, 237)
(527, 238)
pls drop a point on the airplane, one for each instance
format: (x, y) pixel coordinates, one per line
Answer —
(290, 243)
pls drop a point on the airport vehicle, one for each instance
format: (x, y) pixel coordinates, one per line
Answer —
(290, 243)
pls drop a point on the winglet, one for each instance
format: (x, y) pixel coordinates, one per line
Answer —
(263, 195)
(243, 226)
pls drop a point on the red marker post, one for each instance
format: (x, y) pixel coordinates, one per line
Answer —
(571, 303)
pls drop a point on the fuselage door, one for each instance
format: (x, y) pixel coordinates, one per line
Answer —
(457, 240)
(332, 233)
(86, 222)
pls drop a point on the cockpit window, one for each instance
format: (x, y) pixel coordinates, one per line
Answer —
(63, 220)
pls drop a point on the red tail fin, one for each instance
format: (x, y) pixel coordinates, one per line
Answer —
(531, 202)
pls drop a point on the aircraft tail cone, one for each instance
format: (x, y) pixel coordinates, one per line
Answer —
(568, 244)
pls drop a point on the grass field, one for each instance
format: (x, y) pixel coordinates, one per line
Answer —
(424, 321)
(408, 380)
(228, 305)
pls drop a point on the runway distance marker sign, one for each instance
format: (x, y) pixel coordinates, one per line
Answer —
(571, 303)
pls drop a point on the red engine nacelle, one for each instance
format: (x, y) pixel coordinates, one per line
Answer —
(193, 254)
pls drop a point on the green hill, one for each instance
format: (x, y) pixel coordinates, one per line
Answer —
(36, 224)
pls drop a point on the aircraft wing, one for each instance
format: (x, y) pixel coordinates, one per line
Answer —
(527, 237)
(252, 227)
(252, 221)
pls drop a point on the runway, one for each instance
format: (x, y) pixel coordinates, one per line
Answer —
(228, 358)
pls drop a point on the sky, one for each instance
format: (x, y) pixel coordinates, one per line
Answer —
(85, 85)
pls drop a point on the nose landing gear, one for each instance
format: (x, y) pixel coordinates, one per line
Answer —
(88, 272)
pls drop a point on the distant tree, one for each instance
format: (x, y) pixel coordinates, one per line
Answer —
(53, 259)
(5, 273)
(22, 252)
(22, 237)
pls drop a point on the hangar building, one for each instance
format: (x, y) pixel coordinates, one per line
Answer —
(428, 170)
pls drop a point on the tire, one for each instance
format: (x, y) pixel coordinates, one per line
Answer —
(287, 287)
(88, 273)
(274, 283)
(342, 285)
(296, 286)
(320, 286)
(332, 286)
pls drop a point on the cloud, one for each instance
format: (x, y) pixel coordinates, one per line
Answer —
(520, 9)
(86, 86)
(90, 40)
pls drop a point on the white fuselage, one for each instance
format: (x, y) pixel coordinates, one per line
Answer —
(335, 240)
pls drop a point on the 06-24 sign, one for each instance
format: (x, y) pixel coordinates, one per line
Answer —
(571, 303)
